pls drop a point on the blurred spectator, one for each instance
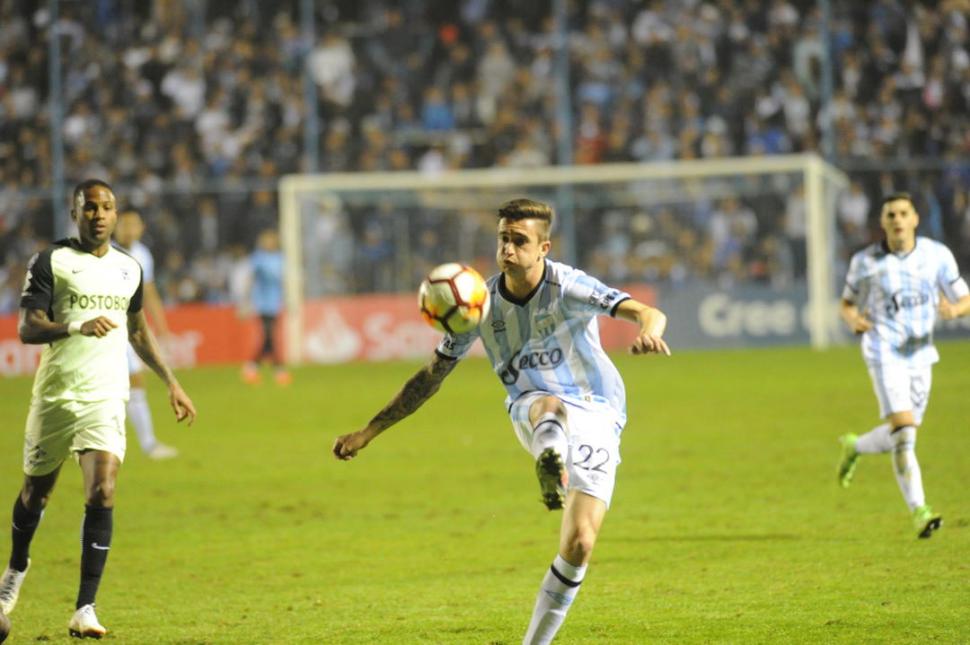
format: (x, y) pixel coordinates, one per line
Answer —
(194, 115)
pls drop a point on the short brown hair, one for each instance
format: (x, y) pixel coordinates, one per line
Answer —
(522, 208)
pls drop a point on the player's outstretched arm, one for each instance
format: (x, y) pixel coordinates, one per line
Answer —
(950, 310)
(855, 319)
(143, 341)
(35, 328)
(653, 323)
(415, 392)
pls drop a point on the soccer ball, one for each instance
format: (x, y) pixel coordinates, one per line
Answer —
(453, 298)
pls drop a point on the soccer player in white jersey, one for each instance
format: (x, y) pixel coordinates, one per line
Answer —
(128, 236)
(891, 298)
(82, 300)
(565, 398)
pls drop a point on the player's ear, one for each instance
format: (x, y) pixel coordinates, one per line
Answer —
(544, 247)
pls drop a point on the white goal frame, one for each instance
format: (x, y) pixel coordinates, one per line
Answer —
(814, 170)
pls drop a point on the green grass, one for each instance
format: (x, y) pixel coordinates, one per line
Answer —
(727, 524)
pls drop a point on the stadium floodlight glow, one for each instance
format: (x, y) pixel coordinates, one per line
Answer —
(626, 184)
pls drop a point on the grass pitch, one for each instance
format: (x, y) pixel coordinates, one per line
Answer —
(727, 524)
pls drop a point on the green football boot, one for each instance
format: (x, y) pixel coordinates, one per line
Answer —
(926, 521)
(849, 459)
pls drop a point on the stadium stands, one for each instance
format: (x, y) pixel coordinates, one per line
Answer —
(194, 115)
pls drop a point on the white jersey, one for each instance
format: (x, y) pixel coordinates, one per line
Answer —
(900, 293)
(72, 285)
(144, 257)
(549, 341)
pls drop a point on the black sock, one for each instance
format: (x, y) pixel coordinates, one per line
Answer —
(24, 524)
(95, 543)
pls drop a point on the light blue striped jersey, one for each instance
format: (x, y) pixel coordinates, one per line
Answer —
(900, 294)
(550, 341)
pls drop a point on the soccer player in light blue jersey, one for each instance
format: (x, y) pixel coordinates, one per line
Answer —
(566, 399)
(892, 298)
(266, 299)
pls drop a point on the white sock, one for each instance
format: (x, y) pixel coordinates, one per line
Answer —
(558, 590)
(141, 418)
(906, 467)
(550, 433)
(875, 441)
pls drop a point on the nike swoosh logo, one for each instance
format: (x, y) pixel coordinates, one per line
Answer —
(95, 545)
(76, 270)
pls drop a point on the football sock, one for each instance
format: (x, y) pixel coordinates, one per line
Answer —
(906, 467)
(558, 590)
(24, 524)
(95, 543)
(550, 433)
(875, 441)
(141, 418)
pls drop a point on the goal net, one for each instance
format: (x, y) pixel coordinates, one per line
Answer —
(738, 251)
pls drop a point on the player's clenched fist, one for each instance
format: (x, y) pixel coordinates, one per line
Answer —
(650, 343)
(347, 446)
(99, 326)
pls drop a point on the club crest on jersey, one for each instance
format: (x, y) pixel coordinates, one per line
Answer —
(545, 322)
(498, 326)
(124, 273)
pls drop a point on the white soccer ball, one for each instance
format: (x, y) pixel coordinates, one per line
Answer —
(453, 298)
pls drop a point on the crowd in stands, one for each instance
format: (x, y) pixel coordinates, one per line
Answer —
(193, 111)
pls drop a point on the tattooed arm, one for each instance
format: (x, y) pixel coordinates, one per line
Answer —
(415, 392)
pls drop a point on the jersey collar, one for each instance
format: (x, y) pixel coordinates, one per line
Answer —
(901, 256)
(522, 301)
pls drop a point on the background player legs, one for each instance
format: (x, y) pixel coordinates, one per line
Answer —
(905, 465)
(269, 352)
(582, 518)
(876, 441)
(140, 415)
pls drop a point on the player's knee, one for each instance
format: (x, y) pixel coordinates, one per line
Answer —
(546, 405)
(902, 419)
(35, 498)
(579, 544)
(101, 493)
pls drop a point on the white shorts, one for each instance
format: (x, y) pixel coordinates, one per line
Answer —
(902, 388)
(594, 442)
(134, 363)
(56, 430)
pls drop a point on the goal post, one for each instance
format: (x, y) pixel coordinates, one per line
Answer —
(341, 209)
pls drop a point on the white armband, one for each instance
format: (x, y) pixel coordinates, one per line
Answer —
(74, 327)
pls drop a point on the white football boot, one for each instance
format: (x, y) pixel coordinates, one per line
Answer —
(10, 588)
(84, 624)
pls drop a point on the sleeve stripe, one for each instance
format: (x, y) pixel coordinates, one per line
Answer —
(954, 280)
(617, 304)
(445, 356)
